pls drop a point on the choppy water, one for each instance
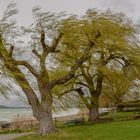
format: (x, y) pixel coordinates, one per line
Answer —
(8, 114)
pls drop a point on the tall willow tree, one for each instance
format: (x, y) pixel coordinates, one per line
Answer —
(115, 52)
(50, 35)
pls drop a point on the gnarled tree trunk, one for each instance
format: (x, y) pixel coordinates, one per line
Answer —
(46, 124)
(44, 117)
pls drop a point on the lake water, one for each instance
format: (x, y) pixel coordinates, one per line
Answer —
(8, 114)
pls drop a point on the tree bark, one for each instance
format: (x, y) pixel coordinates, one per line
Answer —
(46, 124)
(44, 117)
(93, 114)
(93, 109)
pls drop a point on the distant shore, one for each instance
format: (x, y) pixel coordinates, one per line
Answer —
(8, 107)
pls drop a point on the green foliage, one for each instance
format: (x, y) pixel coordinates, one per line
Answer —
(8, 28)
(115, 88)
(115, 54)
(6, 83)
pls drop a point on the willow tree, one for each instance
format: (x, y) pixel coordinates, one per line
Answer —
(50, 35)
(116, 49)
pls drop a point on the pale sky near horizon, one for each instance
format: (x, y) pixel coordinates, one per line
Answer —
(24, 17)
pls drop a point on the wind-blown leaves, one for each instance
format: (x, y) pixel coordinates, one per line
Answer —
(7, 84)
(8, 13)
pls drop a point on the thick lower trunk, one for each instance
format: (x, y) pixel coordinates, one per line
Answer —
(46, 124)
(93, 114)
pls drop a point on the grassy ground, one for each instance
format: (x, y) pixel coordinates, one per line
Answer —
(122, 114)
(7, 131)
(119, 116)
(125, 130)
(116, 116)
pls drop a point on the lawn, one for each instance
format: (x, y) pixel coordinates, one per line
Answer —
(125, 130)
(119, 116)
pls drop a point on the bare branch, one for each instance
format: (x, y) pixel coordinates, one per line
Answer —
(119, 62)
(80, 92)
(36, 53)
(113, 56)
(84, 99)
(28, 66)
(42, 40)
(11, 50)
(55, 43)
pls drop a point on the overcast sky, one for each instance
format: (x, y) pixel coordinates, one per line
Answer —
(24, 17)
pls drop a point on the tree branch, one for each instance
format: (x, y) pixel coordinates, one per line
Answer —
(28, 66)
(36, 53)
(55, 43)
(81, 94)
(11, 50)
(87, 78)
(97, 35)
(42, 40)
(113, 56)
(71, 73)
(12, 67)
(119, 62)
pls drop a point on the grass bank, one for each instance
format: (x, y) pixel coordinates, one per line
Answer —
(125, 130)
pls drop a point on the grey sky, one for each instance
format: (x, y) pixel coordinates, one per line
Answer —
(130, 7)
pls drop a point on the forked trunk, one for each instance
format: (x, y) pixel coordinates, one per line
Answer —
(93, 114)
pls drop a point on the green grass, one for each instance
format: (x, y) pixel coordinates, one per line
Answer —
(118, 116)
(122, 114)
(7, 131)
(125, 130)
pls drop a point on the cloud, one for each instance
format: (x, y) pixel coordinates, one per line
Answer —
(119, 5)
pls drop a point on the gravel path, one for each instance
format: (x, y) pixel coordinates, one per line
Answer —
(12, 136)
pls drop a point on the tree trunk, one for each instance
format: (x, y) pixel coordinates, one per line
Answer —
(46, 124)
(93, 114)
(44, 117)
